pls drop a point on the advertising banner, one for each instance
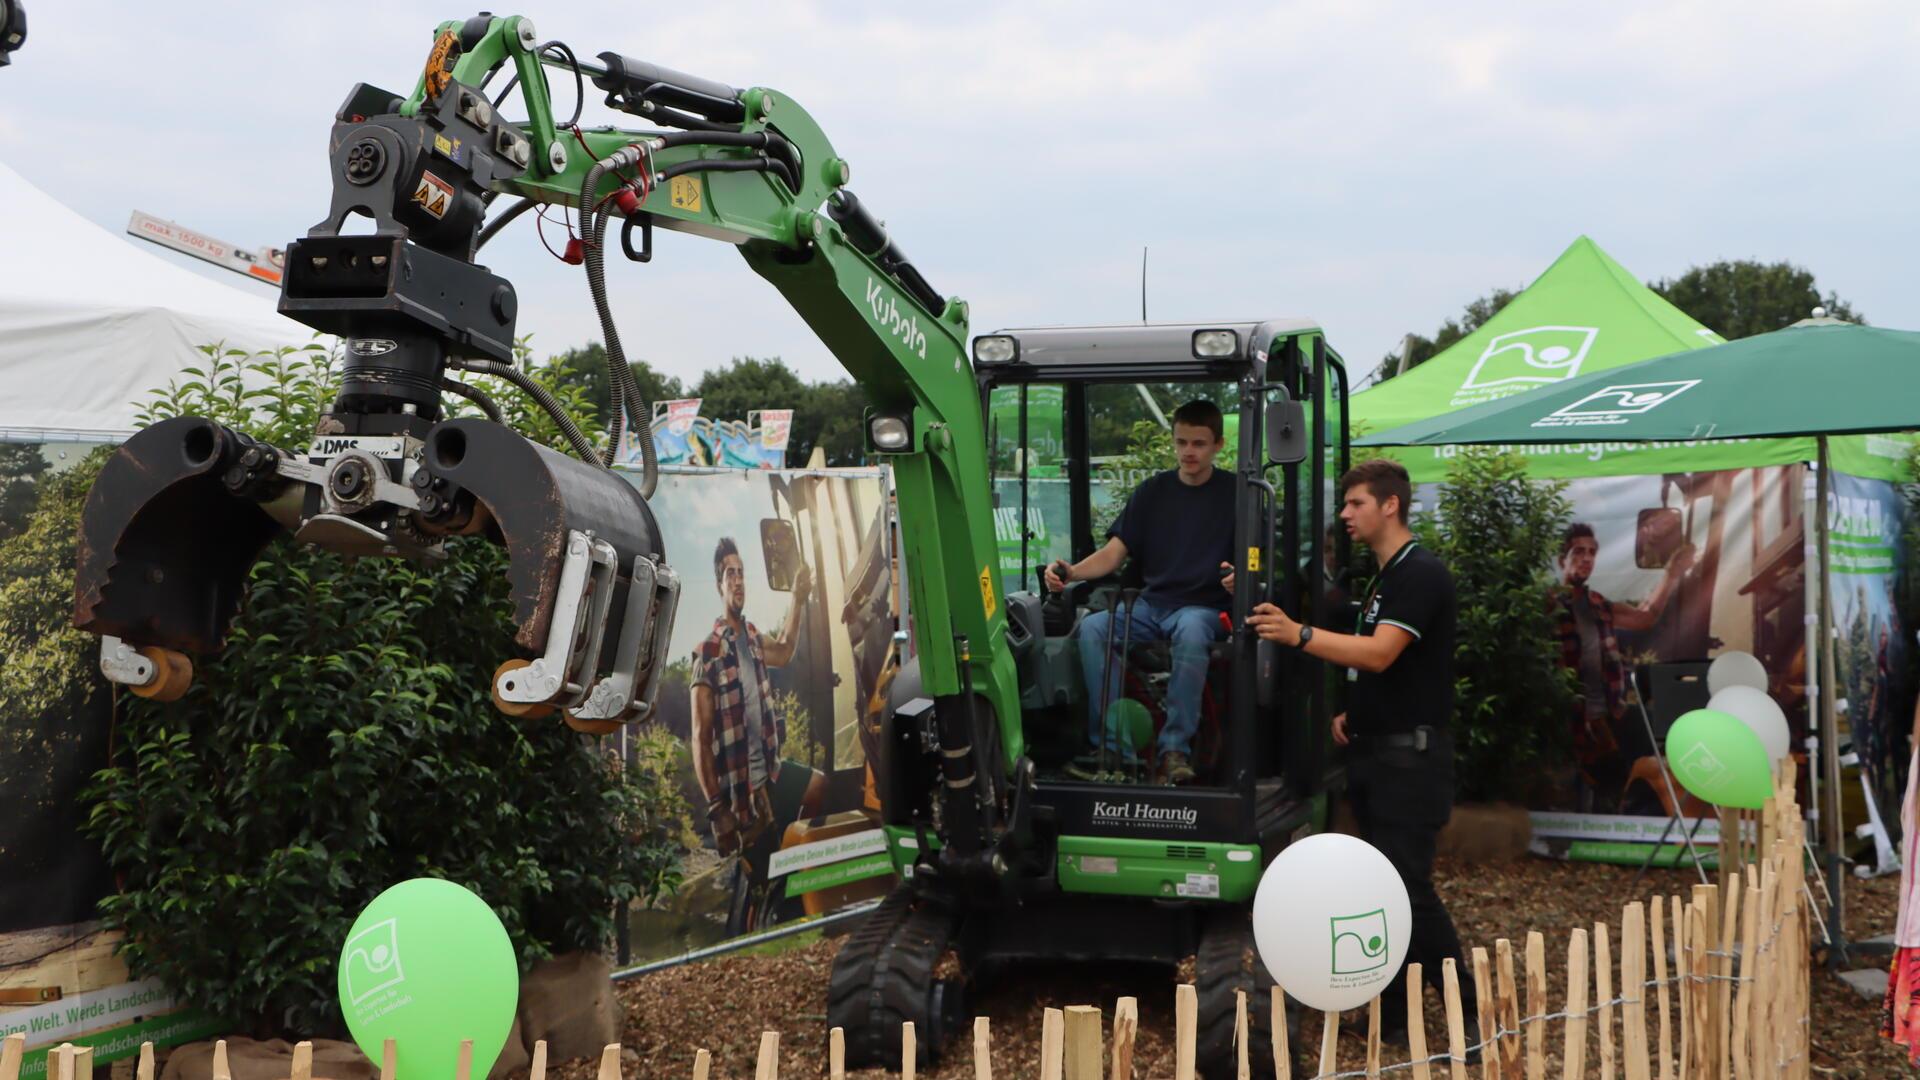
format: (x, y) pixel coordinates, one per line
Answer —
(674, 442)
(782, 647)
(772, 429)
(1866, 523)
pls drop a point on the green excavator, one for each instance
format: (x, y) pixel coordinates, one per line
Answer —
(1015, 839)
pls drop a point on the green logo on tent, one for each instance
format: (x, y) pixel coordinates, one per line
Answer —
(1359, 942)
(1524, 359)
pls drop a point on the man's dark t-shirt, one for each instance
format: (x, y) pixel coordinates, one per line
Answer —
(1414, 593)
(1180, 533)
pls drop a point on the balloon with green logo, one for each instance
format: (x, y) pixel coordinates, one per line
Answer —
(428, 964)
(1719, 759)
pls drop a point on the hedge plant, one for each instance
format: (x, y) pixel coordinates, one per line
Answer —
(345, 741)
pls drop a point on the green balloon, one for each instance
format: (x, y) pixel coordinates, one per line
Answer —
(1719, 759)
(1132, 719)
(428, 964)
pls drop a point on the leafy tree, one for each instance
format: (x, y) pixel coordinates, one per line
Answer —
(748, 383)
(21, 467)
(345, 741)
(1476, 315)
(1497, 530)
(1741, 297)
(585, 368)
(829, 416)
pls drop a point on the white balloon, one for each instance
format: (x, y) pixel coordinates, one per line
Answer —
(1331, 920)
(1735, 669)
(1757, 710)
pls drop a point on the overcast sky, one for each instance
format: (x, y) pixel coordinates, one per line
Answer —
(1371, 165)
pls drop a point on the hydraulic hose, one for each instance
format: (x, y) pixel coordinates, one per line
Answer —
(629, 403)
(756, 163)
(474, 394)
(577, 438)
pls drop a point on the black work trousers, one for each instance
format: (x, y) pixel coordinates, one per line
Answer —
(1401, 799)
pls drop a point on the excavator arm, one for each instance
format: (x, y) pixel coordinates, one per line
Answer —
(185, 506)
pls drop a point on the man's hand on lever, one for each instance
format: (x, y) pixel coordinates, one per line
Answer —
(1272, 624)
(1058, 575)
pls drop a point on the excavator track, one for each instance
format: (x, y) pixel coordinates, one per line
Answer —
(1225, 962)
(883, 977)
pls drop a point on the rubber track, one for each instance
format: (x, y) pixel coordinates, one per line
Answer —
(883, 977)
(1225, 962)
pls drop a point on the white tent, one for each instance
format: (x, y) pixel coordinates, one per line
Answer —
(89, 323)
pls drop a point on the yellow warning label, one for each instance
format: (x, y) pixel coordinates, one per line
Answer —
(684, 192)
(986, 590)
(434, 195)
(1253, 560)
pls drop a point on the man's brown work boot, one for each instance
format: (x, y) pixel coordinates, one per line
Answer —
(1175, 769)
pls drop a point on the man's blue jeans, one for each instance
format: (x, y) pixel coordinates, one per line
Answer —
(1191, 629)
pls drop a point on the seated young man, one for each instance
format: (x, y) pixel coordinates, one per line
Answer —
(1178, 526)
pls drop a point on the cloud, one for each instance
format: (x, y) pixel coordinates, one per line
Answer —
(1373, 165)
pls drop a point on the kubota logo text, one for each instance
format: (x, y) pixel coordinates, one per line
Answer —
(886, 314)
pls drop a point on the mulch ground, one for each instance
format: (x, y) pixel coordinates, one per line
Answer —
(723, 1005)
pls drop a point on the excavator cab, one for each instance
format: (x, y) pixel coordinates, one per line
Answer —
(1101, 859)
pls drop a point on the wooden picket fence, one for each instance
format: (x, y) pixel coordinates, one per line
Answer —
(1728, 997)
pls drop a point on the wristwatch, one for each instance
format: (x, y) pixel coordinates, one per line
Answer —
(1306, 635)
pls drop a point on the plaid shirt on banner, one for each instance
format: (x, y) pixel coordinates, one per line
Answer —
(1590, 745)
(716, 666)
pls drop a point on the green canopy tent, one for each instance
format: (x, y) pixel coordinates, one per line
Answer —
(1818, 378)
(1586, 313)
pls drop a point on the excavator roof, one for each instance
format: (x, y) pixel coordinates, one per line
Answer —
(1114, 348)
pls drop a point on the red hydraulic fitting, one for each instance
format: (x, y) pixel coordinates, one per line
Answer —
(576, 252)
(627, 200)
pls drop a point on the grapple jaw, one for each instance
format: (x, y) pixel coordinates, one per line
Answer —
(184, 508)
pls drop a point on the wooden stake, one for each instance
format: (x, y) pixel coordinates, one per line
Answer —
(142, 1071)
(223, 1071)
(536, 1071)
(767, 1065)
(982, 1051)
(702, 1062)
(1574, 1053)
(1456, 1024)
(14, 1051)
(1373, 1039)
(1723, 1001)
(1416, 1023)
(1126, 1028)
(1749, 967)
(1633, 987)
(303, 1060)
(83, 1063)
(1489, 1014)
(1699, 1034)
(1535, 1023)
(1509, 1000)
(610, 1062)
(1050, 1046)
(64, 1054)
(1186, 1011)
(1085, 1052)
(1660, 988)
(1329, 1043)
(1242, 1067)
(837, 1053)
(1603, 995)
(910, 1049)
(1282, 1053)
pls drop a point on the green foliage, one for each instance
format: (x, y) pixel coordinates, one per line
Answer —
(585, 368)
(1476, 315)
(1740, 297)
(345, 741)
(1497, 530)
(21, 467)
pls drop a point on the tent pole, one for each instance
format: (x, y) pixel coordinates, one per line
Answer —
(1833, 837)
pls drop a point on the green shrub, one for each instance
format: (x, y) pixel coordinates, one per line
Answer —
(1497, 530)
(345, 741)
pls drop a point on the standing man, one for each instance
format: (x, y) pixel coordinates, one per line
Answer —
(1585, 622)
(737, 731)
(1399, 662)
(1178, 526)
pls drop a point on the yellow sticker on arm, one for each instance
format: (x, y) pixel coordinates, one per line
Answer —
(684, 193)
(1253, 560)
(986, 590)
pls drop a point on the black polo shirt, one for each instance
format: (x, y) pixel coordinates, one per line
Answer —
(1415, 593)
